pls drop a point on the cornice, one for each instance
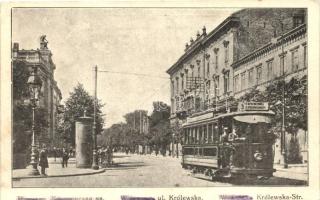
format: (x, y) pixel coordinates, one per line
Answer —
(290, 35)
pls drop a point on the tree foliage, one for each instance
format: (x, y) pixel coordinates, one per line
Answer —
(78, 102)
(128, 134)
(293, 94)
(160, 132)
(22, 111)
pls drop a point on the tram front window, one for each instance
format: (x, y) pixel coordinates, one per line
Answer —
(253, 130)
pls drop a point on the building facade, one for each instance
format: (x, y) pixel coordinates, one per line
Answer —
(50, 95)
(240, 53)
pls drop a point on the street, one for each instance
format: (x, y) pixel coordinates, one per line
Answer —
(142, 171)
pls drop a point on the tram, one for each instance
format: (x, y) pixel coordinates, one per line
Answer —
(233, 144)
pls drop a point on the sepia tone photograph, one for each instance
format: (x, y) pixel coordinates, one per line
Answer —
(159, 97)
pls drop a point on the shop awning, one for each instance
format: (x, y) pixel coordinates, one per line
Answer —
(253, 119)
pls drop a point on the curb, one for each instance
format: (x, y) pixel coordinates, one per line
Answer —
(64, 175)
(283, 170)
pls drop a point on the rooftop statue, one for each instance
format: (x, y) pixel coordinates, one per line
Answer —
(43, 42)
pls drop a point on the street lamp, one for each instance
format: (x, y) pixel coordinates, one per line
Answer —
(94, 133)
(34, 83)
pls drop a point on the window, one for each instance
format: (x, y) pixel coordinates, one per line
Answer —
(177, 104)
(250, 77)
(298, 20)
(216, 50)
(200, 135)
(243, 80)
(270, 69)
(182, 82)
(236, 83)
(210, 151)
(226, 54)
(282, 66)
(199, 71)
(172, 88)
(188, 151)
(210, 133)
(295, 60)
(305, 56)
(205, 136)
(208, 69)
(217, 86)
(217, 58)
(259, 74)
(208, 87)
(226, 51)
(177, 81)
(226, 82)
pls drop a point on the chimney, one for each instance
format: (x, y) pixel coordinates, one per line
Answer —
(198, 35)
(15, 49)
(187, 46)
(15, 46)
(204, 30)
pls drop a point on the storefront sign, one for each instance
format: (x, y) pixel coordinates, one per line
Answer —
(251, 106)
(200, 117)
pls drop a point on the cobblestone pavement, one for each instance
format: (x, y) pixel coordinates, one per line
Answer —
(143, 171)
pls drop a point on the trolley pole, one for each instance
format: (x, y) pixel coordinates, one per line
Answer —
(283, 131)
(94, 133)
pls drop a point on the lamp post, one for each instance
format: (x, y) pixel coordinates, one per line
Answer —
(34, 83)
(94, 134)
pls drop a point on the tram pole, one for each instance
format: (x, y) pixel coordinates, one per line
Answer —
(94, 134)
(284, 148)
(283, 131)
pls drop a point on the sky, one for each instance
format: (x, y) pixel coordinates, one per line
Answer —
(132, 40)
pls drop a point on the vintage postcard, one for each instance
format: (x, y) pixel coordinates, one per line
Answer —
(137, 100)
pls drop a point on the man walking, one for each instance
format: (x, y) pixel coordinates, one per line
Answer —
(43, 160)
(65, 158)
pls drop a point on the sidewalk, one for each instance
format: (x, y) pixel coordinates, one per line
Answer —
(55, 170)
(296, 171)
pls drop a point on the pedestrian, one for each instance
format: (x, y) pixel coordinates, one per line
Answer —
(65, 157)
(43, 160)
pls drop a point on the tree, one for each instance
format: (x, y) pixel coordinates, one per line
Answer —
(160, 132)
(78, 102)
(295, 102)
(22, 111)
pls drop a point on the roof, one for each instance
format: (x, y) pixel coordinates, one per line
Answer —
(278, 41)
(201, 42)
(231, 114)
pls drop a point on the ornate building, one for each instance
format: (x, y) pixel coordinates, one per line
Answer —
(50, 95)
(244, 51)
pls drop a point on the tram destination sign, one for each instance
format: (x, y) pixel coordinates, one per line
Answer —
(250, 106)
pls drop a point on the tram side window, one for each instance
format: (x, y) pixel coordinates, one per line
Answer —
(188, 151)
(210, 151)
(185, 136)
(215, 133)
(210, 133)
(205, 136)
(192, 136)
(200, 134)
(188, 136)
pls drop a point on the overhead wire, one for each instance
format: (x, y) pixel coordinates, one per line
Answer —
(132, 73)
(139, 74)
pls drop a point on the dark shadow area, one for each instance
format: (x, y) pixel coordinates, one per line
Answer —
(126, 165)
(273, 181)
